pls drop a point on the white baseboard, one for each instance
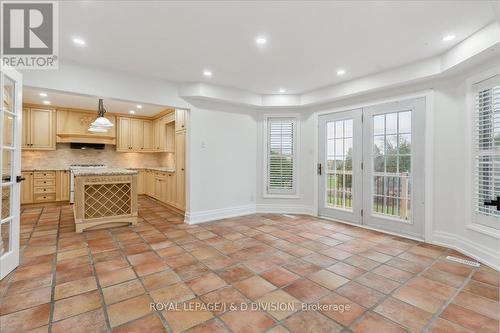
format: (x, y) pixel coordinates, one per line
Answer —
(218, 214)
(285, 209)
(224, 213)
(477, 251)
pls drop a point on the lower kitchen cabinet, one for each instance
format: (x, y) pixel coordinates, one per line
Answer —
(140, 182)
(45, 186)
(163, 186)
(62, 185)
(149, 183)
(27, 188)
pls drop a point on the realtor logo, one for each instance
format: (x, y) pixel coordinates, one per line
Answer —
(29, 34)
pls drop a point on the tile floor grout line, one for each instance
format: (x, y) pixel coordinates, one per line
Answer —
(54, 275)
(215, 316)
(372, 308)
(157, 313)
(450, 300)
(99, 289)
(21, 253)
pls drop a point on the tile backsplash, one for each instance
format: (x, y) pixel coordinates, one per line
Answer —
(64, 156)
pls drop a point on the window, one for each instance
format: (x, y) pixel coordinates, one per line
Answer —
(281, 151)
(487, 152)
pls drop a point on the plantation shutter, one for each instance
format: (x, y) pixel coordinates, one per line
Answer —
(281, 155)
(487, 151)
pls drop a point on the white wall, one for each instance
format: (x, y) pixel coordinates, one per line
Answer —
(222, 169)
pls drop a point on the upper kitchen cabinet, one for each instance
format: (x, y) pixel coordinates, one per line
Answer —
(143, 135)
(39, 129)
(164, 133)
(72, 126)
(134, 135)
(123, 140)
(180, 119)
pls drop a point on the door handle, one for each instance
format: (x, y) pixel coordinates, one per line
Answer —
(19, 179)
(320, 167)
(495, 203)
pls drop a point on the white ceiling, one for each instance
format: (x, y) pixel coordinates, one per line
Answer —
(307, 40)
(63, 99)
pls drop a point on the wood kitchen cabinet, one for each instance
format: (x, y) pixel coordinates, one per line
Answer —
(39, 129)
(171, 187)
(149, 182)
(27, 187)
(140, 182)
(147, 138)
(123, 140)
(45, 186)
(180, 169)
(180, 120)
(164, 133)
(160, 193)
(164, 187)
(62, 185)
(135, 135)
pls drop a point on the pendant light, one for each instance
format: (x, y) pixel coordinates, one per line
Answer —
(101, 124)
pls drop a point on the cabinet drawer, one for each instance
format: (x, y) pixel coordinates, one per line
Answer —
(44, 182)
(160, 175)
(45, 189)
(45, 197)
(45, 174)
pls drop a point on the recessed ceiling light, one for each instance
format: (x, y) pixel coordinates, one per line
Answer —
(131, 111)
(79, 41)
(282, 91)
(447, 38)
(207, 73)
(260, 41)
(341, 72)
(46, 102)
(43, 94)
(139, 106)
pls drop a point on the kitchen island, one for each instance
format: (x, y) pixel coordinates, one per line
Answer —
(104, 198)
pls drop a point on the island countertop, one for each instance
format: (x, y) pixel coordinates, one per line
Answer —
(103, 172)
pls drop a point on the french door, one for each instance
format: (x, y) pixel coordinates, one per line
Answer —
(340, 154)
(10, 160)
(372, 166)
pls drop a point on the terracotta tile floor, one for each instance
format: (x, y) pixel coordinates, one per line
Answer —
(364, 281)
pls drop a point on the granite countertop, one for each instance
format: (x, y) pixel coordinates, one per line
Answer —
(162, 169)
(104, 172)
(44, 169)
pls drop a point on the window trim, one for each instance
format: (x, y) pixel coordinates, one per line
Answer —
(488, 224)
(296, 139)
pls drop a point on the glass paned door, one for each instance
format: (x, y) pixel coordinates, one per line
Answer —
(394, 166)
(10, 161)
(340, 165)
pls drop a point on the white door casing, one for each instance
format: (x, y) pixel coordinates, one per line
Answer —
(10, 162)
